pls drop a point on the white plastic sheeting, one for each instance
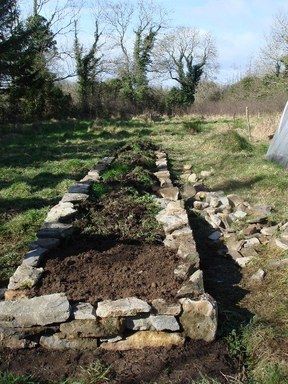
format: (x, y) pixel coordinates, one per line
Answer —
(278, 150)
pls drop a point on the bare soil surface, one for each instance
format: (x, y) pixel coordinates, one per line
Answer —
(94, 268)
(158, 365)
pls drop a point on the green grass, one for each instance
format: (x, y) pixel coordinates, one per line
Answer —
(38, 165)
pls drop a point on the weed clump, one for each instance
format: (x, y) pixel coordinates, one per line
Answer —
(231, 141)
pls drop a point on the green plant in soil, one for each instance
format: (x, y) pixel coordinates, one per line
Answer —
(115, 172)
(11, 378)
(98, 190)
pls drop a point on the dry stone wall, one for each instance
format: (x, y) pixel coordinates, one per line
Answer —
(51, 321)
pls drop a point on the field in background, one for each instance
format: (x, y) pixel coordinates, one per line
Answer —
(37, 167)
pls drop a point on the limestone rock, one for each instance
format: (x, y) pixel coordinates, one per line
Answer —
(80, 188)
(174, 239)
(55, 231)
(161, 163)
(200, 205)
(187, 248)
(243, 261)
(188, 192)
(248, 252)
(194, 287)
(253, 242)
(240, 214)
(62, 212)
(258, 276)
(163, 308)
(259, 213)
(199, 318)
(250, 230)
(282, 243)
(269, 231)
(55, 342)
(48, 243)
(160, 154)
(111, 339)
(146, 339)
(129, 306)
(187, 167)
(184, 270)
(169, 193)
(201, 196)
(9, 338)
(192, 178)
(107, 327)
(152, 323)
(35, 257)
(25, 277)
(278, 264)
(235, 200)
(164, 178)
(83, 311)
(171, 222)
(205, 174)
(41, 310)
(74, 198)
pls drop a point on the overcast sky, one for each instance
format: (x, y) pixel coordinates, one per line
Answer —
(237, 25)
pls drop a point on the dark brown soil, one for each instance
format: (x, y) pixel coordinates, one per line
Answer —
(93, 269)
(161, 365)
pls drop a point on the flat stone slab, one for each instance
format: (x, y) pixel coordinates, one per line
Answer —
(55, 231)
(80, 188)
(35, 257)
(169, 193)
(146, 339)
(25, 277)
(55, 342)
(199, 318)
(41, 310)
(152, 323)
(129, 306)
(106, 327)
(74, 197)
(62, 212)
(163, 308)
(171, 222)
(83, 311)
(243, 261)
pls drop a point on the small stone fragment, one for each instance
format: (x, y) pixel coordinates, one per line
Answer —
(83, 311)
(281, 243)
(146, 339)
(187, 167)
(243, 261)
(250, 230)
(193, 287)
(25, 277)
(235, 200)
(248, 252)
(269, 231)
(163, 308)
(240, 214)
(205, 174)
(253, 242)
(215, 236)
(200, 205)
(74, 198)
(152, 323)
(192, 178)
(199, 318)
(111, 339)
(258, 276)
(129, 306)
(188, 192)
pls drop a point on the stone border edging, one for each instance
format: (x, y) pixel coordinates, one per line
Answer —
(53, 322)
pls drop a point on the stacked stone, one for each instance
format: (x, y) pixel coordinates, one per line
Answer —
(57, 227)
(199, 311)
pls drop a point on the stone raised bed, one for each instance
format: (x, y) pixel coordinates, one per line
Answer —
(54, 322)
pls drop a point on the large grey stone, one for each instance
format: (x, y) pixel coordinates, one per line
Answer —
(35, 257)
(187, 249)
(41, 310)
(174, 239)
(188, 192)
(83, 311)
(164, 178)
(164, 308)
(152, 323)
(199, 318)
(129, 306)
(146, 339)
(63, 212)
(172, 221)
(192, 178)
(106, 327)
(252, 242)
(56, 342)
(74, 198)
(48, 243)
(55, 231)
(25, 277)
(80, 188)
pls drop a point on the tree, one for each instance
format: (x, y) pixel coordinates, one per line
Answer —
(88, 66)
(275, 52)
(186, 55)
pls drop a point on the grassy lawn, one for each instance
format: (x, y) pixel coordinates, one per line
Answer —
(37, 167)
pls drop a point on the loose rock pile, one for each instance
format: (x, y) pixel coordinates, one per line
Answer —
(54, 322)
(225, 214)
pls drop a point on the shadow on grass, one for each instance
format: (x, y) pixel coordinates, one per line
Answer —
(221, 278)
(233, 185)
